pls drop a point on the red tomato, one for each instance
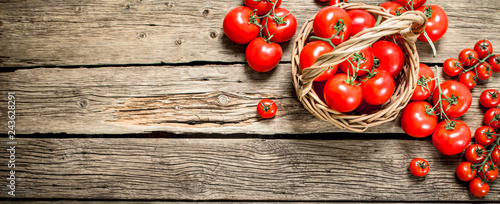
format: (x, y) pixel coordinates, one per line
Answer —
(419, 167)
(333, 2)
(494, 61)
(263, 56)
(340, 95)
(465, 171)
(484, 71)
(437, 22)
(391, 57)
(362, 58)
(495, 155)
(478, 188)
(489, 98)
(379, 88)
(469, 79)
(411, 4)
(492, 117)
(311, 52)
(393, 8)
(483, 48)
(263, 6)
(484, 135)
(238, 25)
(468, 57)
(266, 108)
(475, 153)
(282, 25)
(418, 119)
(452, 67)
(425, 84)
(360, 20)
(489, 172)
(451, 141)
(331, 19)
(456, 98)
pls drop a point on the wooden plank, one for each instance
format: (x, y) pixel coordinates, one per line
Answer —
(234, 169)
(76, 32)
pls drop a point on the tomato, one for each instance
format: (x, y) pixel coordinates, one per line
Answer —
(311, 52)
(266, 108)
(425, 84)
(468, 57)
(360, 20)
(333, 2)
(494, 62)
(393, 8)
(489, 172)
(475, 153)
(484, 71)
(484, 135)
(495, 155)
(391, 57)
(411, 4)
(492, 117)
(483, 48)
(263, 6)
(489, 98)
(456, 98)
(451, 141)
(378, 88)
(478, 188)
(465, 171)
(418, 119)
(238, 25)
(282, 25)
(340, 95)
(419, 167)
(361, 60)
(263, 56)
(452, 67)
(437, 23)
(469, 79)
(331, 19)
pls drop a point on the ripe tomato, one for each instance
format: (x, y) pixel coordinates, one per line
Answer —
(456, 98)
(489, 98)
(263, 6)
(452, 67)
(331, 19)
(425, 85)
(263, 56)
(489, 172)
(475, 153)
(492, 117)
(266, 108)
(484, 71)
(393, 8)
(311, 52)
(468, 57)
(465, 171)
(238, 25)
(478, 188)
(494, 61)
(484, 135)
(437, 22)
(391, 57)
(362, 60)
(282, 25)
(495, 155)
(418, 119)
(469, 79)
(451, 141)
(333, 2)
(340, 95)
(419, 167)
(483, 48)
(360, 20)
(411, 4)
(379, 88)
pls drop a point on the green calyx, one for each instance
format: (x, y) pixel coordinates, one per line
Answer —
(452, 100)
(428, 12)
(264, 107)
(449, 125)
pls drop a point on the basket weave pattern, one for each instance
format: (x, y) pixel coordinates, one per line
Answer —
(409, 26)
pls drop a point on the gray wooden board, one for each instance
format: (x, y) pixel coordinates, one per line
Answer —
(75, 32)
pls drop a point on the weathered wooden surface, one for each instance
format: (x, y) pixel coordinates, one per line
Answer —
(55, 33)
(234, 169)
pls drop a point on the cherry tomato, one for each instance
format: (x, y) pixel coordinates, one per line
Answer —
(489, 172)
(478, 188)
(418, 119)
(484, 135)
(266, 108)
(483, 48)
(238, 25)
(360, 20)
(475, 153)
(456, 93)
(469, 79)
(437, 23)
(452, 67)
(495, 155)
(489, 98)
(484, 71)
(333, 2)
(378, 88)
(263, 6)
(492, 117)
(331, 19)
(361, 60)
(425, 84)
(393, 8)
(391, 57)
(311, 52)
(411, 4)
(282, 25)
(451, 141)
(465, 171)
(468, 57)
(340, 95)
(419, 167)
(263, 56)
(494, 62)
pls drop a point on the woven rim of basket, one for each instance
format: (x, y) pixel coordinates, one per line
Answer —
(409, 25)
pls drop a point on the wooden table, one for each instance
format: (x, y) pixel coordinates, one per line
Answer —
(150, 101)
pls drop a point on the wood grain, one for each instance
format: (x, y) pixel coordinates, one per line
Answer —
(234, 169)
(86, 32)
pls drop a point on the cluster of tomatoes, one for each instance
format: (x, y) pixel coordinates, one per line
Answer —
(261, 24)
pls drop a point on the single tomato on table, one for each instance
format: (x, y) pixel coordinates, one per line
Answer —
(425, 83)
(266, 108)
(281, 26)
(389, 56)
(419, 167)
(478, 188)
(451, 137)
(332, 22)
(437, 23)
(263, 56)
(456, 98)
(418, 119)
(489, 98)
(342, 94)
(311, 52)
(239, 25)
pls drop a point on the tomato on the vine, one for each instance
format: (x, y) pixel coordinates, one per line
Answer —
(361, 60)
(469, 79)
(483, 48)
(495, 155)
(360, 20)
(456, 99)
(266, 108)
(485, 135)
(341, 94)
(281, 26)
(465, 171)
(263, 56)
(468, 57)
(419, 167)
(494, 62)
(437, 23)
(332, 21)
(311, 52)
(393, 8)
(262, 6)
(492, 118)
(489, 172)
(240, 25)
(478, 188)
(451, 138)
(489, 98)
(411, 4)
(418, 119)
(484, 71)
(452, 67)
(377, 87)
(475, 153)
(425, 84)
(390, 57)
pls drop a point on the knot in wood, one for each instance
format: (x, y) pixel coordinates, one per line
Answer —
(83, 103)
(222, 100)
(206, 12)
(178, 42)
(142, 35)
(213, 34)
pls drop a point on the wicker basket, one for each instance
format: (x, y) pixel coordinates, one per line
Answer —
(409, 26)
